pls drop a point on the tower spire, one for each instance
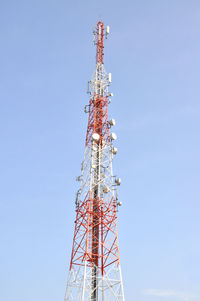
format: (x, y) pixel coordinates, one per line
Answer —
(99, 42)
(95, 272)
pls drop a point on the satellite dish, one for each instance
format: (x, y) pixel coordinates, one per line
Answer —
(95, 137)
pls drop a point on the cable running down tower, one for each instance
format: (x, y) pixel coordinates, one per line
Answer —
(95, 271)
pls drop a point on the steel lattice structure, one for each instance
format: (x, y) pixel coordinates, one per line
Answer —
(95, 272)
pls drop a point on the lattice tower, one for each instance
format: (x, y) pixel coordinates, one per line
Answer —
(95, 271)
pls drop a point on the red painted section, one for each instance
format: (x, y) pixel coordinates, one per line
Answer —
(98, 119)
(100, 42)
(83, 235)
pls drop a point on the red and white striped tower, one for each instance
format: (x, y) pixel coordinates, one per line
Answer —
(95, 272)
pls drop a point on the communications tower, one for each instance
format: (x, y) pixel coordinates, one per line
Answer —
(95, 271)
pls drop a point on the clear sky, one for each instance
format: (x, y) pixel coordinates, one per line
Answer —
(46, 59)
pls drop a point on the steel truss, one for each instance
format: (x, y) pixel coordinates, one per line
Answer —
(95, 272)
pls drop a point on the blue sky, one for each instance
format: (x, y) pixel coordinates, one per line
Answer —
(46, 59)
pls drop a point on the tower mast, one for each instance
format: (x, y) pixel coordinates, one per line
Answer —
(95, 272)
(99, 95)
